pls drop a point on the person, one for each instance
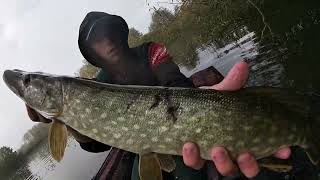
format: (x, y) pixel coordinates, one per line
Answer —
(103, 41)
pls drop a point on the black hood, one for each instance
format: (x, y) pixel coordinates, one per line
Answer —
(99, 25)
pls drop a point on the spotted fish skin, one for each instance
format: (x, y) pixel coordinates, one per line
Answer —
(145, 119)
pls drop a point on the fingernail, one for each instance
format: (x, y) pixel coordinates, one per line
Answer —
(283, 153)
(204, 87)
(248, 165)
(220, 156)
(245, 158)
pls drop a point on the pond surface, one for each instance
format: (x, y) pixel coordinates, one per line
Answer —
(280, 40)
(76, 164)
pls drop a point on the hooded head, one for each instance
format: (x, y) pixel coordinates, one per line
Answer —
(39, 91)
(102, 37)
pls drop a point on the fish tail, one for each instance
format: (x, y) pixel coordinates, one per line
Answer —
(58, 136)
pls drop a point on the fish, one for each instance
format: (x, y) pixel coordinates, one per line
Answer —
(155, 121)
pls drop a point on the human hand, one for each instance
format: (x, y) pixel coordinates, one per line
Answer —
(246, 163)
(35, 116)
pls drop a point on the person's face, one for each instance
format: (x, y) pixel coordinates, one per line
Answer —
(107, 50)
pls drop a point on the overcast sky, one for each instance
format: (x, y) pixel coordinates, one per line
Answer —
(41, 35)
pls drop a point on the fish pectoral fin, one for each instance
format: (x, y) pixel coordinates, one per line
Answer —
(312, 149)
(313, 155)
(277, 167)
(58, 136)
(167, 162)
(149, 167)
(275, 164)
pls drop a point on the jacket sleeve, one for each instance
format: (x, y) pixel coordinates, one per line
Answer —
(94, 146)
(166, 71)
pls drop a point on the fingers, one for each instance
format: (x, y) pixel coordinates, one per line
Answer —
(225, 166)
(35, 116)
(79, 137)
(248, 165)
(235, 79)
(223, 162)
(191, 156)
(283, 153)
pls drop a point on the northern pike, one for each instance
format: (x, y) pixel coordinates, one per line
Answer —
(143, 119)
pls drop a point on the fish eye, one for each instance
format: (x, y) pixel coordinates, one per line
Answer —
(26, 80)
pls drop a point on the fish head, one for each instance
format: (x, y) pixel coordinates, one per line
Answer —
(42, 92)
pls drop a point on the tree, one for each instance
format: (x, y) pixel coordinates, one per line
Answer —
(134, 37)
(10, 161)
(6, 152)
(87, 70)
(161, 19)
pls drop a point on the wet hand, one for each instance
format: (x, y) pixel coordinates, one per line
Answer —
(35, 116)
(246, 163)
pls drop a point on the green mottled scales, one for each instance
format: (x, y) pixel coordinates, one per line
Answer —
(157, 119)
(151, 119)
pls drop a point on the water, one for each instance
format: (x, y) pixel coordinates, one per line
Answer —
(279, 39)
(282, 51)
(76, 164)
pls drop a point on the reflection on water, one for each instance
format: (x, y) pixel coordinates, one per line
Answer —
(76, 164)
(268, 72)
(280, 41)
(224, 58)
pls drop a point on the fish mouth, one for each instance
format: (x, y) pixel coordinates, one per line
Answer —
(13, 79)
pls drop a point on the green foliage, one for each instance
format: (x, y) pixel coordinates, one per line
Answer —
(87, 71)
(5, 153)
(195, 25)
(9, 161)
(161, 19)
(134, 37)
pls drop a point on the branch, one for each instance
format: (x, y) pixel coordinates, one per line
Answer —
(266, 25)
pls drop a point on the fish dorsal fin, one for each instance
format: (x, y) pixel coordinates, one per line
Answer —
(58, 136)
(167, 162)
(149, 167)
